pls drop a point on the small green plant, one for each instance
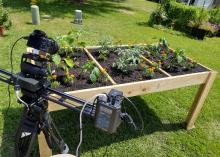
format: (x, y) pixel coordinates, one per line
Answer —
(55, 84)
(68, 80)
(177, 61)
(69, 62)
(95, 74)
(128, 59)
(56, 59)
(189, 64)
(160, 49)
(105, 43)
(179, 56)
(148, 71)
(88, 66)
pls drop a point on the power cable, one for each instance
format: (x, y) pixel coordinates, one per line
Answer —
(12, 69)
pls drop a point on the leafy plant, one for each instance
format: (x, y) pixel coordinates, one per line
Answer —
(179, 56)
(68, 43)
(178, 15)
(95, 74)
(55, 84)
(56, 59)
(88, 66)
(68, 81)
(158, 17)
(148, 71)
(189, 64)
(215, 15)
(160, 49)
(4, 18)
(69, 62)
(105, 43)
(128, 59)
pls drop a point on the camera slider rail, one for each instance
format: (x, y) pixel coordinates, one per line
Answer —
(9, 78)
(106, 112)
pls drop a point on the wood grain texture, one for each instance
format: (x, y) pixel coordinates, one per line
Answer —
(199, 100)
(45, 151)
(142, 87)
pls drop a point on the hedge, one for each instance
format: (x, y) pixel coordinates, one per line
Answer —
(215, 15)
(179, 15)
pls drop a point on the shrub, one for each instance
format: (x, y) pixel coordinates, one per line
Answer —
(178, 15)
(158, 17)
(4, 18)
(215, 15)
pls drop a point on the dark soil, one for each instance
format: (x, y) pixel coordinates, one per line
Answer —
(81, 81)
(118, 76)
(179, 71)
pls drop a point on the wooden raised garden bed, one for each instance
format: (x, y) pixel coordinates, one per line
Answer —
(165, 77)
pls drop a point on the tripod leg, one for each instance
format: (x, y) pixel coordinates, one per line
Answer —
(52, 135)
(25, 137)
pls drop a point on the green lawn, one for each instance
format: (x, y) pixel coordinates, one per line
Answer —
(163, 113)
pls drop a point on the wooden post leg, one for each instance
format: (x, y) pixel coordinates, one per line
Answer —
(45, 151)
(199, 101)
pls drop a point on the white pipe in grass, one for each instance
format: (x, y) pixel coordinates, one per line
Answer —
(35, 15)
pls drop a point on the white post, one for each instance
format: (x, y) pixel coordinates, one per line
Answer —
(35, 15)
(78, 17)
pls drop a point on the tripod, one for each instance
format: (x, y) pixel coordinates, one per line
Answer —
(35, 119)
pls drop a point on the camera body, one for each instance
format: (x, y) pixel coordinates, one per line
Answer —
(34, 70)
(40, 41)
(34, 65)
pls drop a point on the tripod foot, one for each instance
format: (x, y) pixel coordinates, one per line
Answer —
(63, 155)
(65, 149)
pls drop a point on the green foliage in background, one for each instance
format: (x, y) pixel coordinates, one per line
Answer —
(215, 15)
(4, 17)
(178, 15)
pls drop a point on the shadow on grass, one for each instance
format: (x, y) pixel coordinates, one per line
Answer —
(60, 8)
(67, 122)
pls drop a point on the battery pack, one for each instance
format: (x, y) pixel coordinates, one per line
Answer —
(108, 111)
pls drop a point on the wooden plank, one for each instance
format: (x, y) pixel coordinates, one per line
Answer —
(161, 70)
(45, 151)
(199, 100)
(144, 87)
(99, 66)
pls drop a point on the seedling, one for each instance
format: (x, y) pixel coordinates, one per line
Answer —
(95, 74)
(88, 66)
(68, 80)
(55, 84)
(105, 43)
